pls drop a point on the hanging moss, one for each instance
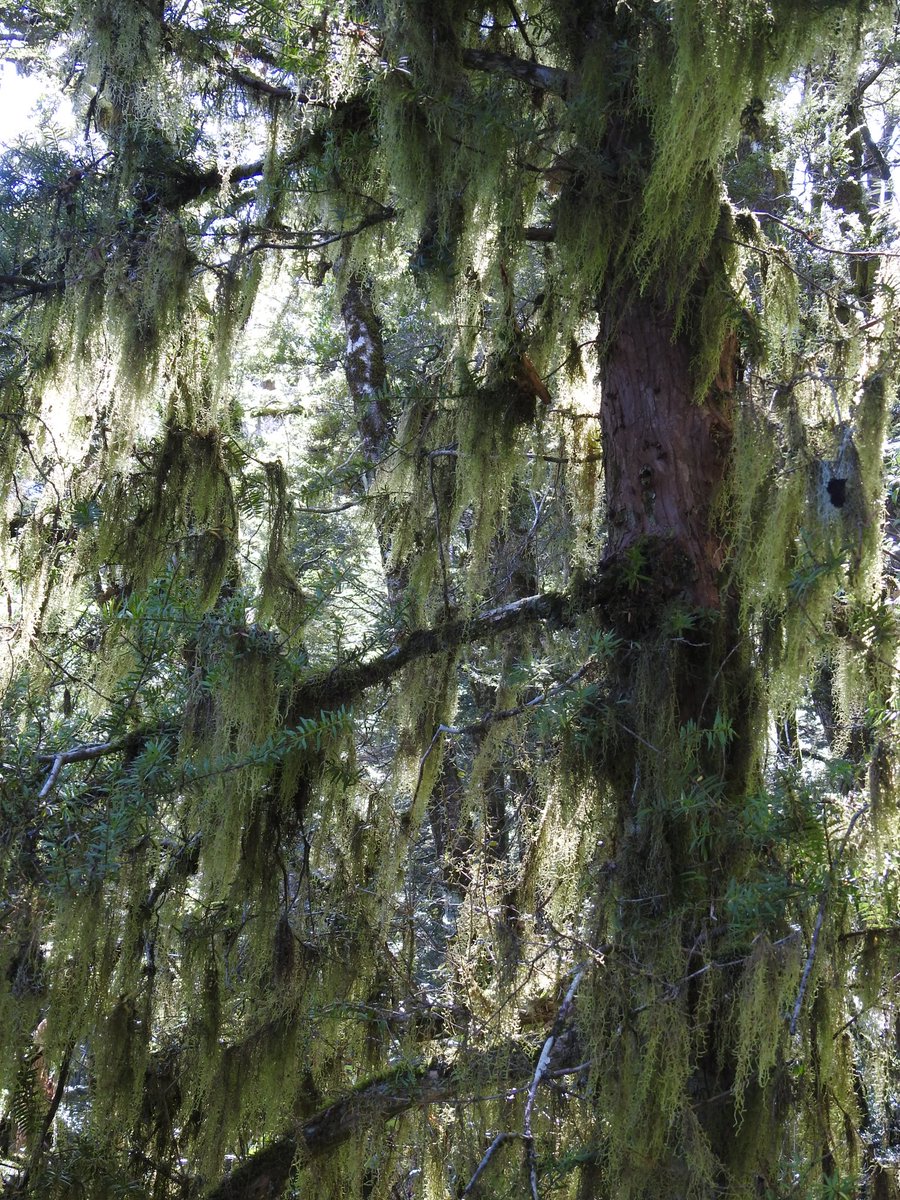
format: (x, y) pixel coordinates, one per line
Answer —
(280, 593)
(240, 914)
(189, 509)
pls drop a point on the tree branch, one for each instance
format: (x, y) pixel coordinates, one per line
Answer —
(539, 233)
(317, 239)
(254, 83)
(820, 917)
(875, 252)
(194, 180)
(502, 714)
(342, 683)
(345, 681)
(540, 1072)
(500, 1140)
(264, 1175)
(545, 79)
(84, 754)
(25, 285)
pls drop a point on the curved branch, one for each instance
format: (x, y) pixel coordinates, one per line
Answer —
(317, 239)
(18, 287)
(875, 252)
(342, 683)
(265, 1173)
(345, 681)
(85, 754)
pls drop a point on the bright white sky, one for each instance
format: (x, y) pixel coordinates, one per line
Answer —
(18, 96)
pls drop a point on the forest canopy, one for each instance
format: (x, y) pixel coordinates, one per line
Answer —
(449, 579)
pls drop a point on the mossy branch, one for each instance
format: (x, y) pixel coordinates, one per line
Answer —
(317, 239)
(342, 683)
(820, 917)
(535, 75)
(540, 1072)
(85, 754)
(346, 681)
(19, 287)
(408, 1086)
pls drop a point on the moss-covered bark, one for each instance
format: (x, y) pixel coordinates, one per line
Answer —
(357, 750)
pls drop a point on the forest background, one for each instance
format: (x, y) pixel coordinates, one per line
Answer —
(448, 583)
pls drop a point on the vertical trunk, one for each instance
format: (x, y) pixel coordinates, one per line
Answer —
(665, 457)
(665, 453)
(366, 374)
(677, 789)
(365, 371)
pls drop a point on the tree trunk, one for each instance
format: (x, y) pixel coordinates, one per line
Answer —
(366, 373)
(666, 457)
(665, 452)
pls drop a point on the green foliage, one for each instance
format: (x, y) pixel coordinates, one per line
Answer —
(249, 866)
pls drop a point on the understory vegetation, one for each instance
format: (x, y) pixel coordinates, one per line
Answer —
(448, 601)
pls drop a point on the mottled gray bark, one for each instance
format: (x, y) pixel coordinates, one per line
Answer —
(366, 375)
(364, 368)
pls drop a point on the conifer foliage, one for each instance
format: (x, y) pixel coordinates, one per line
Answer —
(448, 579)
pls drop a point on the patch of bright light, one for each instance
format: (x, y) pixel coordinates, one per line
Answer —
(19, 96)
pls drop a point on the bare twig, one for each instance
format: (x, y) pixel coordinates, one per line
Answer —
(81, 754)
(338, 508)
(317, 239)
(820, 917)
(500, 714)
(505, 714)
(424, 759)
(492, 1149)
(51, 778)
(539, 1073)
(875, 252)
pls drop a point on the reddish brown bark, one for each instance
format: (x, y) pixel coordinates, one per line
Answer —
(665, 453)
